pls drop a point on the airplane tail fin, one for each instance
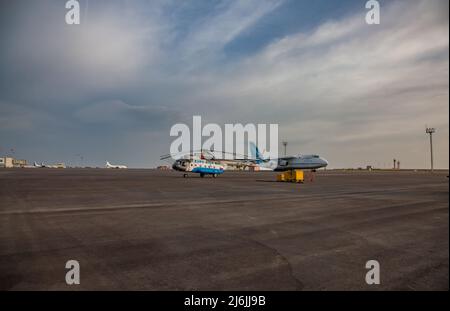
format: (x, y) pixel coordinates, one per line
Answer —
(255, 152)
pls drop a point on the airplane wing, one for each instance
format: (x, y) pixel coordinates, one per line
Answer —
(287, 158)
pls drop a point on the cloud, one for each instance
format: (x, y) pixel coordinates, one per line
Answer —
(210, 35)
(120, 115)
(348, 75)
(349, 91)
(15, 118)
(55, 61)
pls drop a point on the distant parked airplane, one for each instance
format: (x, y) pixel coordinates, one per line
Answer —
(109, 165)
(42, 165)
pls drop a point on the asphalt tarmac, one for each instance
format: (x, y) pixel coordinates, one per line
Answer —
(154, 230)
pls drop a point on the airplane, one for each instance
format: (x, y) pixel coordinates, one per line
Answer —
(109, 165)
(42, 165)
(287, 163)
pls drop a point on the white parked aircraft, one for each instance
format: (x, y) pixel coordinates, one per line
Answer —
(42, 165)
(109, 165)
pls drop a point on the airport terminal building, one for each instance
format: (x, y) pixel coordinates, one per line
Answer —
(8, 162)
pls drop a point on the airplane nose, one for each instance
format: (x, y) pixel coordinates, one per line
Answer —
(325, 162)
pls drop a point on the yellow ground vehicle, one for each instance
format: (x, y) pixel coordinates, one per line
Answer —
(292, 176)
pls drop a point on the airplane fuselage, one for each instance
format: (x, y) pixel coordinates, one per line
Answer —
(109, 165)
(306, 162)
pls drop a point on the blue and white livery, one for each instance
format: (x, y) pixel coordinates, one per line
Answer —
(200, 166)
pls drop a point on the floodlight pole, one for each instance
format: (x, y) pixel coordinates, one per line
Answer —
(431, 130)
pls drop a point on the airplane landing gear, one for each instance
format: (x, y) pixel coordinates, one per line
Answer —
(185, 175)
(202, 175)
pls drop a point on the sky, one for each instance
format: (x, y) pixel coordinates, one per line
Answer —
(112, 87)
